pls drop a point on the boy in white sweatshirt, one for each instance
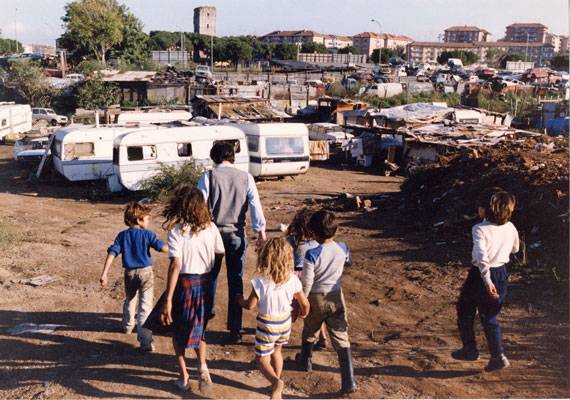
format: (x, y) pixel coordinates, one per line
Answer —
(485, 289)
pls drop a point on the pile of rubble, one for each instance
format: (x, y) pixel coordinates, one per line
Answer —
(443, 195)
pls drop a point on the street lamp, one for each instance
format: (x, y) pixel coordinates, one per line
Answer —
(380, 36)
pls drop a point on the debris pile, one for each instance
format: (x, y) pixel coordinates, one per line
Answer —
(443, 195)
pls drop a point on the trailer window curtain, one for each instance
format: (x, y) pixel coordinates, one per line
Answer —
(284, 146)
(76, 150)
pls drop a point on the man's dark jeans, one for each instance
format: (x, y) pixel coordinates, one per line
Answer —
(235, 245)
(474, 297)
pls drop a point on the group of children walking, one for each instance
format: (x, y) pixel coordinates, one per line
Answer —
(297, 276)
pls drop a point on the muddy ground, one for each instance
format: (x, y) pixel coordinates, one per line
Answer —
(400, 294)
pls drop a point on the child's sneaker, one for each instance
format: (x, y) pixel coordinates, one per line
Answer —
(147, 347)
(496, 363)
(465, 354)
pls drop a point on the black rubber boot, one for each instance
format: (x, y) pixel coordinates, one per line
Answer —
(303, 359)
(346, 370)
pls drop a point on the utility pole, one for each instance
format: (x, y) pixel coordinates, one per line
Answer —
(380, 36)
(212, 52)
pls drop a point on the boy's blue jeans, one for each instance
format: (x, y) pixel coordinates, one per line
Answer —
(235, 245)
(473, 298)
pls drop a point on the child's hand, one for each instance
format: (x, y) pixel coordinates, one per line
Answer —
(492, 290)
(166, 314)
(103, 281)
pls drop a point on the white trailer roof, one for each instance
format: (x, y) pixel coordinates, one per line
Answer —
(146, 136)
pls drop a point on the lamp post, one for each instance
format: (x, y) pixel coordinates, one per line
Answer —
(380, 36)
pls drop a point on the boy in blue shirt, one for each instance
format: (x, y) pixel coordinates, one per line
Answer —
(321, 279)
(134, 245)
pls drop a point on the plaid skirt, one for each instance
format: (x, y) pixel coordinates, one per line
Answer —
(188, 311)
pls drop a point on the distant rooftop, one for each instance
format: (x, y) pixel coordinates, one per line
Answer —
(527, 25)
(466, 28)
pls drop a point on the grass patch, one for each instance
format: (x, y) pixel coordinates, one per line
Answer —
(7, 236)
(159, 187)
(452, 99)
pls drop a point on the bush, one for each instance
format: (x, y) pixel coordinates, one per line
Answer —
(169, 177)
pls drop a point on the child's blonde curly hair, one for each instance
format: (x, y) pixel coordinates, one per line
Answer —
(275, 260)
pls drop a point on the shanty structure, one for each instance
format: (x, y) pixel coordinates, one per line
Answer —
(236, 108)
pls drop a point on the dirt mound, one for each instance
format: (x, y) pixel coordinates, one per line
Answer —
(443, 195)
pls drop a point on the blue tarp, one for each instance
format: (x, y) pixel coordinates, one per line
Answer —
(558, 126)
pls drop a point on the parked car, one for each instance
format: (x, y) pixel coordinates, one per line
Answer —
(203, 71)
(75, 78)
(422, 78)
(47, 114)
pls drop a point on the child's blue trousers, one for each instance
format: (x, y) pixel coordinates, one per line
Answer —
(473, 298)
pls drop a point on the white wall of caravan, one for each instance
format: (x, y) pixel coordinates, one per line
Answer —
(131, 173)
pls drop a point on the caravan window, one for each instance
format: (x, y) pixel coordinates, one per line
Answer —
(56, 148)
(184, 149)
(4, 122)
(76, 150)
(253, 144)
(284, 145)
(235, 143)
(137, 153)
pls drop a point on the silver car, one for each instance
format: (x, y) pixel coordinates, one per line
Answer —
(49, 115)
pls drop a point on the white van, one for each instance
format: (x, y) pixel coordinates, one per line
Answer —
(278, 149)
(138, 155)
(85, 152)
(14, 118)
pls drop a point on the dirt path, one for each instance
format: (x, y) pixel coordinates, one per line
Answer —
(400, 295)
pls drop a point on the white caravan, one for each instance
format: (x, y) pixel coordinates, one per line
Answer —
(278, 149)
(85, 152)
(14, 118)
(153, 117)
(138, 156)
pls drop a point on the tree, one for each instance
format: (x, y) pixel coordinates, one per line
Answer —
(95, 93)
(387, 53)
(95, 25)
(133, 49)
(560, 61)
(348, 49)
(8, 46)
(313, 47)
(285, 51)
(494, 56)
(238, 50)
(466, 57)
(509, 57)
(28, 82)
(163, 40)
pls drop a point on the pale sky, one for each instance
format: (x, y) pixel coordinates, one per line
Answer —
(39, 21)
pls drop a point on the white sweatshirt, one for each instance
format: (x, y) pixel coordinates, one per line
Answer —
(492, 246)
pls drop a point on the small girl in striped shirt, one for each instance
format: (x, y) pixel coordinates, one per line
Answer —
(273, 289)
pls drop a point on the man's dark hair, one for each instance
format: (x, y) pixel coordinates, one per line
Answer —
(222, 151)
(323, 225)
(498, 204)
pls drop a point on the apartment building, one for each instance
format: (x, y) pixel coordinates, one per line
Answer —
(294, 37)
(367, 42)
(465, 34)
(421, 52)
(563, 44)
(526, 32)
(337, 41)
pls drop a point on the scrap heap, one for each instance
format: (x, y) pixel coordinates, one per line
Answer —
(442, 195)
